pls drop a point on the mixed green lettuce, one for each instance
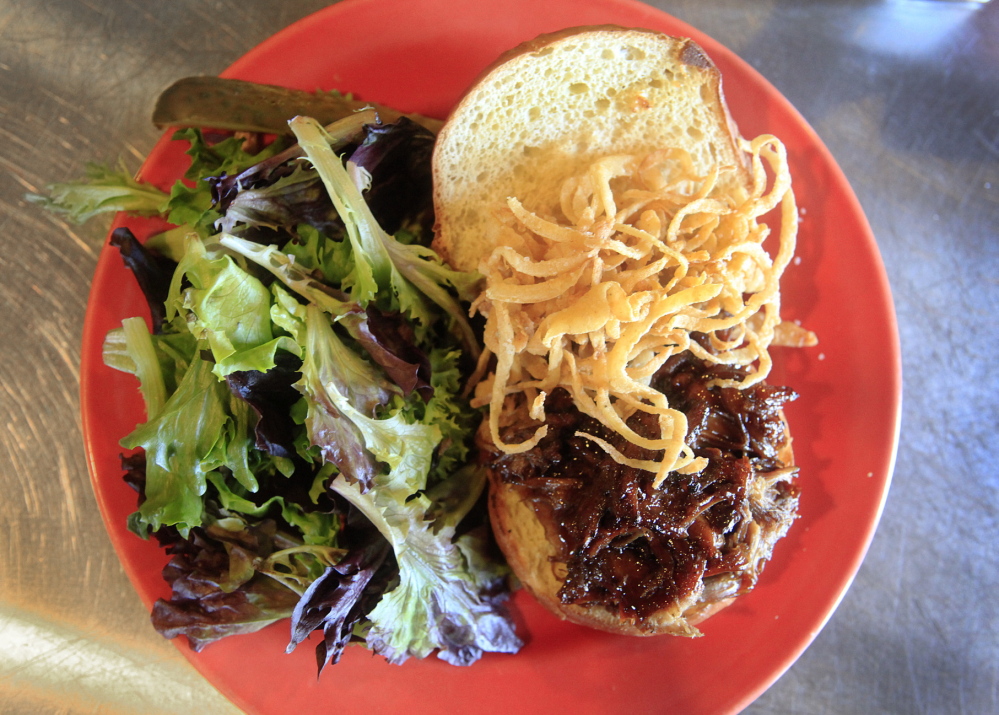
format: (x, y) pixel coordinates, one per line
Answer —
(305, 452)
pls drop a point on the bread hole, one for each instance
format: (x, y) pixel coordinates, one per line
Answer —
(483, 175)
(603, 104)
(582, 147)
(531, 150)
(534, 113)
(695, 133)
(579, 88)
(612, 91)
(705, 93)
(633, 53)
(658, 83)
(607, 54)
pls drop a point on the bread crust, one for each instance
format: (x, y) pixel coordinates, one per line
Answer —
(528, 541)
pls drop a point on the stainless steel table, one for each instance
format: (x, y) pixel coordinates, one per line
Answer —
(904, 92)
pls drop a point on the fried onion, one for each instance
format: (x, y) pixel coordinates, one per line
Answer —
(595, 293)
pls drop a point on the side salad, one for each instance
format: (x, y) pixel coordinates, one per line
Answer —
(306, 449)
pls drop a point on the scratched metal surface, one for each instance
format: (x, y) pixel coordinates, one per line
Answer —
(905, 94)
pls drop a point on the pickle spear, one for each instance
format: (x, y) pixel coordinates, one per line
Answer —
(247, 106)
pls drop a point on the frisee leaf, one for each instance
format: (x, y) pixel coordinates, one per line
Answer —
(104, 190)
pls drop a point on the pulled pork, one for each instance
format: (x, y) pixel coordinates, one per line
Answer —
(697, 539)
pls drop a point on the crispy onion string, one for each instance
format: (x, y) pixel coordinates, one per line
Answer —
(595, 293)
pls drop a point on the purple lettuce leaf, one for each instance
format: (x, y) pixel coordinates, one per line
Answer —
(388, 338)
(271, 395)
(216, 591)
(340, 599)
(397, 158)
(153, 272)
(296, 198)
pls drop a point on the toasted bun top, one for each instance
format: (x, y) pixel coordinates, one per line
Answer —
(557, 103)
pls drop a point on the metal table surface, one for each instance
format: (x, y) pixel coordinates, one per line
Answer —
(904, 92)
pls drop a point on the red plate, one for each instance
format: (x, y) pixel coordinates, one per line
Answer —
(419, 55)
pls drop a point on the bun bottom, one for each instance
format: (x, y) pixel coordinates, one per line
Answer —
(529, 545)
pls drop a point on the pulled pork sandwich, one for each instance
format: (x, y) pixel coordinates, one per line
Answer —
(640, 466)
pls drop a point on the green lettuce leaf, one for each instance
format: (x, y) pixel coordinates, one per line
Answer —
(110, 190)
(104, 190)
(443, 600)
(331, 371)
(288, 272)
(375, 323)
(173, 353)
(201, 428)
(407, 448)
(312, 251)
(226, 307)
(448, 411)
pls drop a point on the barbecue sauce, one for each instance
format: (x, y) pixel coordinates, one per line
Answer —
(637, 550)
